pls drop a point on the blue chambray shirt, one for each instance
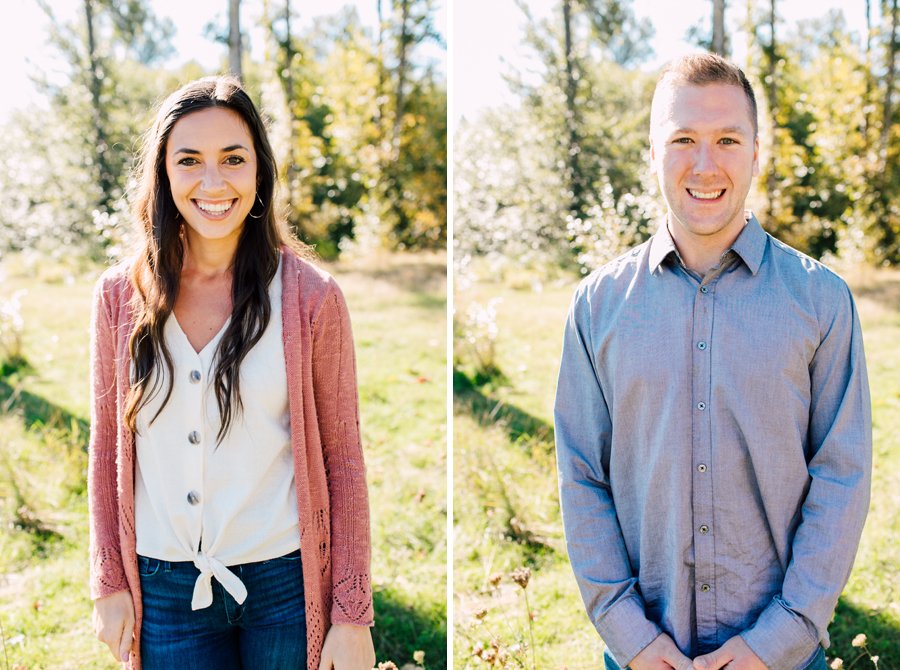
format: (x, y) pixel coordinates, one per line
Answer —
(714, 448)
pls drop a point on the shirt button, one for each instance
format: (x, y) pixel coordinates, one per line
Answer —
(704, 289)
(701, 346)
(195, 376)
(704, 587)
(704, 529)
(701, 406)
(194, 437)
(193, 497)
(701, 467)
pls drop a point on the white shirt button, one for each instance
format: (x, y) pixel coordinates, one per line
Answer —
(193, 497)
(195, 376)
(194, 437)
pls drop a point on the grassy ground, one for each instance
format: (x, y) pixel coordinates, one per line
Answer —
(506, 512)
(398, 308)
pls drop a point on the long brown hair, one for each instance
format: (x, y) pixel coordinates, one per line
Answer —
(157, 265)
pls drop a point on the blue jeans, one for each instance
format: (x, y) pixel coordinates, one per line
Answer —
(266, 632)
(816, 663)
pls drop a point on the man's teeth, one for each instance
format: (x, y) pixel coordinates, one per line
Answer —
(215, 207)
(711, 195)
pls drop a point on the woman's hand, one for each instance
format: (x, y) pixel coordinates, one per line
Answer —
(348, 647)
(114, 623)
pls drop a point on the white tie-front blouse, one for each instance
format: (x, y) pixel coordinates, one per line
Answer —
(218, 504)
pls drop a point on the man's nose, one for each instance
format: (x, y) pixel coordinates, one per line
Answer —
(704, 161)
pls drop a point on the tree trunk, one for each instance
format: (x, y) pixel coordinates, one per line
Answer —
(573, 145)
(288, 71)
(95, 84)
(234, 38)
(718, 36)
(867, 120)
(772, 95)
(381, 76)
(402, 56)
(891, 67)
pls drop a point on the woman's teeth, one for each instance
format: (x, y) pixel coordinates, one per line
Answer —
(214, 207)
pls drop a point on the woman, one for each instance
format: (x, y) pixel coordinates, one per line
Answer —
(224, 429)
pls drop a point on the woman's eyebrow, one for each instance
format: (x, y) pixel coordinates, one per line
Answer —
(231, 147)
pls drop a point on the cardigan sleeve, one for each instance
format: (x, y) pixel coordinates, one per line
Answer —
(107, 574)
(337, 411)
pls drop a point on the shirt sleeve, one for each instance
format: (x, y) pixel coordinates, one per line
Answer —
(107, 571)
(594, 538)
(794, 623)
(337, 410)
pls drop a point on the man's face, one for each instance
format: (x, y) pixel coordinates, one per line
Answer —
(705, 154)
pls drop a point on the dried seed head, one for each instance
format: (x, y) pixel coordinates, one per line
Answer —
(521, 576)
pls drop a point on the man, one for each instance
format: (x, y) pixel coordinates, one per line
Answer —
(712, 414)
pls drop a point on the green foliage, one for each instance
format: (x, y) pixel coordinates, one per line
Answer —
(351, 182)
(328, 93)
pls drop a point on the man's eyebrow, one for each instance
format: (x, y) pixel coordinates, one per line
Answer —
(231, 147)
(727, 130)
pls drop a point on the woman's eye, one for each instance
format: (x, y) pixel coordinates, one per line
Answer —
(234, 160)
(188, 161)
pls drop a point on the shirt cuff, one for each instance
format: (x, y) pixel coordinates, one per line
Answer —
(626, 630)
(782, 639)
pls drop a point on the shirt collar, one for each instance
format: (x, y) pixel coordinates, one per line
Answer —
(750, 245)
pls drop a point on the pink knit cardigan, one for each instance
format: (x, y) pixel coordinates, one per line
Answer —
(332, 499)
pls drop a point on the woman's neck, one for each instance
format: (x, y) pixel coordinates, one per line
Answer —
(208, 258)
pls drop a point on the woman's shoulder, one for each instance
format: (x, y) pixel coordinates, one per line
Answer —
(311, 278)
(115, 280)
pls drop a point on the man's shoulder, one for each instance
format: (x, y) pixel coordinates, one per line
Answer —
(807, 271)
(615, 274)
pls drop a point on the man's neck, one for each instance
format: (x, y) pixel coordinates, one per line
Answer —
(701, 253)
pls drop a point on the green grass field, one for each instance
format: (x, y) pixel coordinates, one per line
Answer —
(398, 308)
(506, 511)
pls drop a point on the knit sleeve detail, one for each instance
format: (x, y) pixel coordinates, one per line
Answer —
(107, 573)
(337, 410)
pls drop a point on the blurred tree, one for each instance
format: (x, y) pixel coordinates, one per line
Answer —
(712, 38)
(593, 110)
(76, 152)
(349, 178)
(234, 38)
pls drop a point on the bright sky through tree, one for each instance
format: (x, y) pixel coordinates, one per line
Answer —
(24, 49)
(488, 38)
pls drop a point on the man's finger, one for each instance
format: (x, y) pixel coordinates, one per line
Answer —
(712, 661)
(680, 662)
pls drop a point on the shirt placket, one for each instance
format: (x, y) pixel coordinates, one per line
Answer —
(702, 465)
(194, 438)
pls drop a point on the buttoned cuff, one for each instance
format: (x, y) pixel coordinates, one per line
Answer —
(626, 630)
(783, 639)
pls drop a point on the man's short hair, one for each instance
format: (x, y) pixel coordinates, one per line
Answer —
(706, 68)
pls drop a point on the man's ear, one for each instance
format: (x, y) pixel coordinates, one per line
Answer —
(652, 156)
(756, 156)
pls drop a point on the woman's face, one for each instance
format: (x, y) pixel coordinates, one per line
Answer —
(211, 164)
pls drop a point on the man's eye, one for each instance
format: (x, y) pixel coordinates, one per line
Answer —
(728, 140)
(683, 140)
(234, 160)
